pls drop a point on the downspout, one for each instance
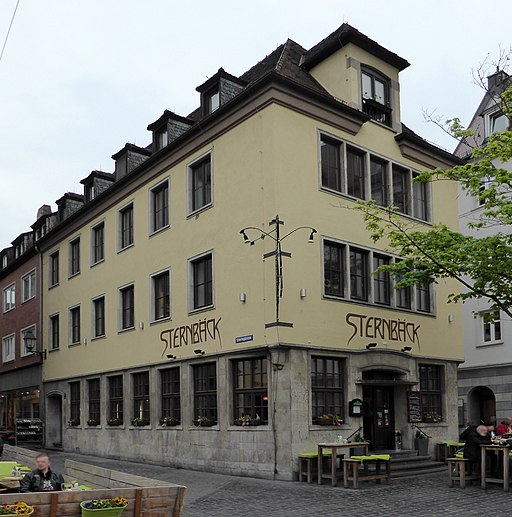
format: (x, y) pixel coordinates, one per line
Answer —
(42, 406)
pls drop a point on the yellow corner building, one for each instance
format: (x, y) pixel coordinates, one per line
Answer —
(163, 337)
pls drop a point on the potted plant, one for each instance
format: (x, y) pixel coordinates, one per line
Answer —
(421, 442)
(139, 422)
(169, 421)
(115, 422)
(92, 422)
(74, 422)
(432, 417)
(203, 421)
(104, 507)
(247, 421)
(19, 508)
(330, 419)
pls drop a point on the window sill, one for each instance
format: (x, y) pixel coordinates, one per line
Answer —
(73, 275)
(201, 309)
(97, 263)
(377, 305)
(110, 427)
(430, 425)
(9, 310)
(178, 427)
(198, 211)
(74, 427)
(343, 427)
(99, 426)
(250, 428)
(385, 126)
(120, 250)
(50, 287)
(160, 230)
(489, 343)
(28, 299)
(78, 343)
(141, 427)
(98, 338)
(129, 329)
(9, 361)
(161, 320)
(215, 427)
(54, 350)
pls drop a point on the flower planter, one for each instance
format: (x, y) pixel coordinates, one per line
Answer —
(101, 512)
(29, 511)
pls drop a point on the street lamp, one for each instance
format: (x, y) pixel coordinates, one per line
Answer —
(278, 254)
(30, 344)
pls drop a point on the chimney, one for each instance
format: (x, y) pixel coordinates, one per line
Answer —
(497, 80)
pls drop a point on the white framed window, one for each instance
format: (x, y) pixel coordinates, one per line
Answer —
(74, 257)
(125, 227)
(4, 261)
(28, 346)
(491, 327)
(159, 207)
(161, 295)
(199, 184)
(9, 298)
(28, 283)
(201, 288)
(9, 348)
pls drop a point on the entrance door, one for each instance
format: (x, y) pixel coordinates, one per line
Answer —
(379, 419)
(54, 420)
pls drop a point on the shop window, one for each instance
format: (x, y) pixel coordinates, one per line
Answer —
(327, 390)
(141, 407)
(250, 391)
(430, 388)
(170, 393)
(74, 403)
(94, 401)
(115, 400)
(205, 394)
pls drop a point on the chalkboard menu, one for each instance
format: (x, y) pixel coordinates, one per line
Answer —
(414, 405)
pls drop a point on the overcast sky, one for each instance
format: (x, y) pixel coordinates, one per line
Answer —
(79, 79)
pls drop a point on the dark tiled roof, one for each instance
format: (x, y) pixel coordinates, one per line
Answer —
(348, 34)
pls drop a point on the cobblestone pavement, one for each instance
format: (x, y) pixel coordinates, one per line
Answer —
(215, 495)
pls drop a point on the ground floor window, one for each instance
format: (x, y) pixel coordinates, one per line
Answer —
(205, 394)
(115, 400)
(251, 391)
(327, 390)
(170, 393)
(430, 388)
(74, 403)
(94, 401)
(141, 398)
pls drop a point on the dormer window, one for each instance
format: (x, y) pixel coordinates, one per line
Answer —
(213, 100)
(4, 261)
(375, 96)
(89, 192)
(499, 122)
(162, 138)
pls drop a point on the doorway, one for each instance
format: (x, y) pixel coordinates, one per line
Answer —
(482, 405)
(379, 416)
(54, 421)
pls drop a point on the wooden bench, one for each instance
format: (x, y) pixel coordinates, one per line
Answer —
(459, 469)
(146, 497)
(352, 470)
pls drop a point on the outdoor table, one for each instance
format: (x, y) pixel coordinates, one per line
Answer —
(333, 447)
(11, 482)
(502, 453)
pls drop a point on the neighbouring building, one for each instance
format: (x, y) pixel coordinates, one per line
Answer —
(161, 324)
(485, 377)
(20, 366)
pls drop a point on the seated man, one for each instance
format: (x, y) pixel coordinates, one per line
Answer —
(504, 427)
(475, 436)
(42, 478)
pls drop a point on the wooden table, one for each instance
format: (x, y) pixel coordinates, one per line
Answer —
(502, 452)
(11, 482)
(333, 447)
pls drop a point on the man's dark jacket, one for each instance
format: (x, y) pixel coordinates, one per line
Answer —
(34, 481)
(473, 441)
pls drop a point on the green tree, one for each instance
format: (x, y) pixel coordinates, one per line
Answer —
(481, 262)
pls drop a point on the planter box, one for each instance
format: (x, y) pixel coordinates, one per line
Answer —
(101, 512)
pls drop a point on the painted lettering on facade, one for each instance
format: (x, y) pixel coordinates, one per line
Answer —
(379, 328)
(194, 334)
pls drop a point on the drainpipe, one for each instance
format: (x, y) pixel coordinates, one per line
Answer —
(42, 406)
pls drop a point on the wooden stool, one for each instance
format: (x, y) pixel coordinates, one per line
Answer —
(352, 469)
(459, 469)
